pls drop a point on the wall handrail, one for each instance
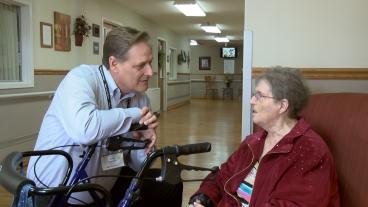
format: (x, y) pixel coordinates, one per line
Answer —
(26, 95)
(172, 82)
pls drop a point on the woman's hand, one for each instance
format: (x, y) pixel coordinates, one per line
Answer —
(200, 200)
(196, 204)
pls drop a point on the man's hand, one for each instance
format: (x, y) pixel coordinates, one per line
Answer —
(146, 134)
(148, 118)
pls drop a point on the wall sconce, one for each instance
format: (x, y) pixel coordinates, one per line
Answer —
(210, 28)
(189, 8)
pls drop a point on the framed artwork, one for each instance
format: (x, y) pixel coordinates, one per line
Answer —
(62, 31)
(96, 30)
(204, 63)
(46, 35)
(96, 48)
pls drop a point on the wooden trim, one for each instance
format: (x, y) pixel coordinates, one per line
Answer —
(326, 73)
(178, 105)
(50, 72)
(55, 72)
(308, 73)
(219, 74)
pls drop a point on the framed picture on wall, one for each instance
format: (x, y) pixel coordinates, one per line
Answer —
(96, 48)
(62, 31)
(46, 35)
(96, 30)
(204, 63)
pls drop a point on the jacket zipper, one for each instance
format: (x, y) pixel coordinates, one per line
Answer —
(260, 161)
(227, 192)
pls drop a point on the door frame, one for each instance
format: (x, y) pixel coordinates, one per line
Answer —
(162, 73)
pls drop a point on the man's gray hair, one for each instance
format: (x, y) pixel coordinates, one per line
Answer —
(119, 40)
(287, 83)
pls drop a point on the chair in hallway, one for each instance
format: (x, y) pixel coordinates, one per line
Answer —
(211, 89)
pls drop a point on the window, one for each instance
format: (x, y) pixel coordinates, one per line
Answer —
(16, 60)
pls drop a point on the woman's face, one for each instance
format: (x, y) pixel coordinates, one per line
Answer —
(265, 108)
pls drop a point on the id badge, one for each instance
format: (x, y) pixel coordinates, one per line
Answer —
(113, 160)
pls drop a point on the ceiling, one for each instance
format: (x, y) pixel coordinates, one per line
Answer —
(228, 14)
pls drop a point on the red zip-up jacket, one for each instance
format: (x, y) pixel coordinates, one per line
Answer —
(298, 171)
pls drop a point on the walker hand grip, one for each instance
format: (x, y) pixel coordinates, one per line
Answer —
(10, 179)
(193, 148)
(137, 127)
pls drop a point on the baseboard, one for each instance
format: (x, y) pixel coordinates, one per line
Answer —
(178, 105)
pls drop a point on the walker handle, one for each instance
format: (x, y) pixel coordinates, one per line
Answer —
(193, 148)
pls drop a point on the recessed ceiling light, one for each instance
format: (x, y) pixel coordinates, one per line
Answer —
(193, 42)
(210, 28)
(189, 8)
(222, 39)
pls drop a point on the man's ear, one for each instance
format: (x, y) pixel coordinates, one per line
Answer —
(113, 63)
(284, 105)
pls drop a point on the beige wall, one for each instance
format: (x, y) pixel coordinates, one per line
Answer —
(179, 90)
(308, 33)
(311, 34)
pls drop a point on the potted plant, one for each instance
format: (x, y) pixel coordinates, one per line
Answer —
(228, 79)
(81, 29)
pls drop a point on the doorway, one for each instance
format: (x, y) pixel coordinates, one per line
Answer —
(161, 57)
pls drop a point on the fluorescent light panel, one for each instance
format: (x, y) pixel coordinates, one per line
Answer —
(210, 28)
(193, 42)
(222, 39)
(189, 8)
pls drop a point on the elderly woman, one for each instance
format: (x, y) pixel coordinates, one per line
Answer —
(285, 164)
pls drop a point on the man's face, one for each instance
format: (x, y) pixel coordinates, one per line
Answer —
(132, 75)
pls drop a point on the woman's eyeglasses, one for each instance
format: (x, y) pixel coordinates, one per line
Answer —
(259, 96)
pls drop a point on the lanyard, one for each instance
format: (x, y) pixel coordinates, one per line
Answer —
(107, 89)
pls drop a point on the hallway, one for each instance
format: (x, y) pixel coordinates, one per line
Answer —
(214, 121)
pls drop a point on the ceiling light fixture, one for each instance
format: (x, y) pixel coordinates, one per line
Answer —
(193, 42)
(210, 28)
(222, 39)
(189, 8)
